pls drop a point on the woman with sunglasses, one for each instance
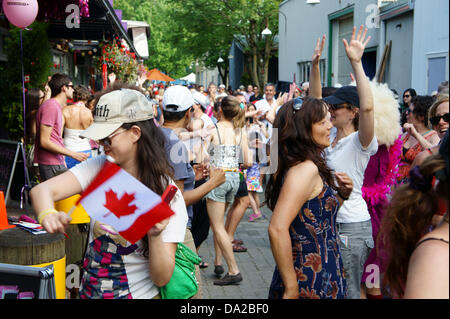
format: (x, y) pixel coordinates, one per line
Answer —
(406, 102)
(113, 267)
(418, 136)
(304, 197)
(439, 117)
(352, 145)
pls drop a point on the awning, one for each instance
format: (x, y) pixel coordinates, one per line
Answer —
(103, 23)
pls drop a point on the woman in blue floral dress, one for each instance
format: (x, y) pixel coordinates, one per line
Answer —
(305, 195)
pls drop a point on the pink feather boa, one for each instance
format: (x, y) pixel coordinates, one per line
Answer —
(377, 193)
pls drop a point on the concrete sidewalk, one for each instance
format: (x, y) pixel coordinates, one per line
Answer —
(256, 265)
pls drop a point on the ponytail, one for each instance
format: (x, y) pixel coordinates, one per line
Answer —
(239, 120)
(233, 112)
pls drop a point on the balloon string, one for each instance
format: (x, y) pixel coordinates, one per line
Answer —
(25, 175)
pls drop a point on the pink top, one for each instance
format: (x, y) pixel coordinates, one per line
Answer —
(49, 114)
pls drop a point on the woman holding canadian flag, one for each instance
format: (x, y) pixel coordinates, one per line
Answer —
(134, 233)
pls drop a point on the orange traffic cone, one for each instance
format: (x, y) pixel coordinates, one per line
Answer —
(3, 216)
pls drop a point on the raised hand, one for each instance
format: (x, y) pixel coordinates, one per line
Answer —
(112, 77)
(318, 50)
(355, 49)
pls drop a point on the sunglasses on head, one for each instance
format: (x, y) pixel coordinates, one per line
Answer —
(436, 119)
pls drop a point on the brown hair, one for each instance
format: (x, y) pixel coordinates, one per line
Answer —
(296, 144)
(81, 93)
(407, 218)
(57, 82)
(440, 98)
(232, 111)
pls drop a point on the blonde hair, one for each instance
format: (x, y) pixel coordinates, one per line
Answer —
(386, 114)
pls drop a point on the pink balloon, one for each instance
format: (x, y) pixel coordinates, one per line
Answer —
(21, 13)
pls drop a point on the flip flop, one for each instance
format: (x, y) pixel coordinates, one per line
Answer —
(203, 264)
(239, 248)
(254, 216)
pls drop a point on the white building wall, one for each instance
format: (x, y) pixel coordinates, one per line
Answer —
(431, 39)
(306, 23)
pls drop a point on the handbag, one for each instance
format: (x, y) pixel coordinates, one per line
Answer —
(183, 284)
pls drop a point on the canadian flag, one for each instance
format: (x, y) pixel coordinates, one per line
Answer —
(118, 199)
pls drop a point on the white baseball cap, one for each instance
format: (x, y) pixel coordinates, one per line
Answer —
(177, 98)
(116, 108)
(200, 99)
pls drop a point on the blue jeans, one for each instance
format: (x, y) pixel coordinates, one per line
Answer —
(355, 242)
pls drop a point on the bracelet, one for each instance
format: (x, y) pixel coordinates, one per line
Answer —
(45, 213)
(344, 198)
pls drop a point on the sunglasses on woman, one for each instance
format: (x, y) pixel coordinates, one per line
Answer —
(335, 107)
(436, 119)
(107, 140)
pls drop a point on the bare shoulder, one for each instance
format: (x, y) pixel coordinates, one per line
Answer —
(428, 270)
(304, 168)
(302, 175)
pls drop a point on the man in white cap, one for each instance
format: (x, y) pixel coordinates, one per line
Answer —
(177, 105)
(222, 92)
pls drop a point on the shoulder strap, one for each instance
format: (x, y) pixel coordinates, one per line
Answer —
(431, 238)
(218, 134)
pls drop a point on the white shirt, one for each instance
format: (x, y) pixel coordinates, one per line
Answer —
(350, 157)
(133, 265)
(265, 107)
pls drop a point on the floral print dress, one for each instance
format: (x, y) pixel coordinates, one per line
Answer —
(315, 251)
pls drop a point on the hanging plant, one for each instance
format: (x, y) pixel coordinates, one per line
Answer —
(119, 60)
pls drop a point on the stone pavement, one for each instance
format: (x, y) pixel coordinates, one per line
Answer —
(256, 265)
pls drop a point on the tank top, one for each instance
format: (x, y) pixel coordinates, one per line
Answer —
(224, 155)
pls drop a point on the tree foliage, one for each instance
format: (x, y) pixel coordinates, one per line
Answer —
(186, 31)
(37, 61)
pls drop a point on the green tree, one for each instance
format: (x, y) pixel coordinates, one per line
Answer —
(211, 26)
(36, 61)
(163, 53)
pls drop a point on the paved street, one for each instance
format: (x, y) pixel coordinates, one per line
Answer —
(256, 265)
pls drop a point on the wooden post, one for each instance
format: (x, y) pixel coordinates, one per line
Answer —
(381, 70)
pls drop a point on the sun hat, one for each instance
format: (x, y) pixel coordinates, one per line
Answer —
(177, 98)
(116, 108)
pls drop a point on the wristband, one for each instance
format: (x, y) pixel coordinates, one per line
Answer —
(45, 213)
(344, 198)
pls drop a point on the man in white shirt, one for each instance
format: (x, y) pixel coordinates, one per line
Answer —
(266, 104)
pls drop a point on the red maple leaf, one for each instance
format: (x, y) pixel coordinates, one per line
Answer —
(119, 207)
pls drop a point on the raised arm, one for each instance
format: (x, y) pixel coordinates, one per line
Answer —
(44, 195)
(355, 51)
(315, 85)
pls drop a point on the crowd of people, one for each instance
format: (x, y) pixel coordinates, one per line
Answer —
(361, 180)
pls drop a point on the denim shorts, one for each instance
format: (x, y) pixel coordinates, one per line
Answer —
(227, 191)
(355, 243)
(49, 171)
